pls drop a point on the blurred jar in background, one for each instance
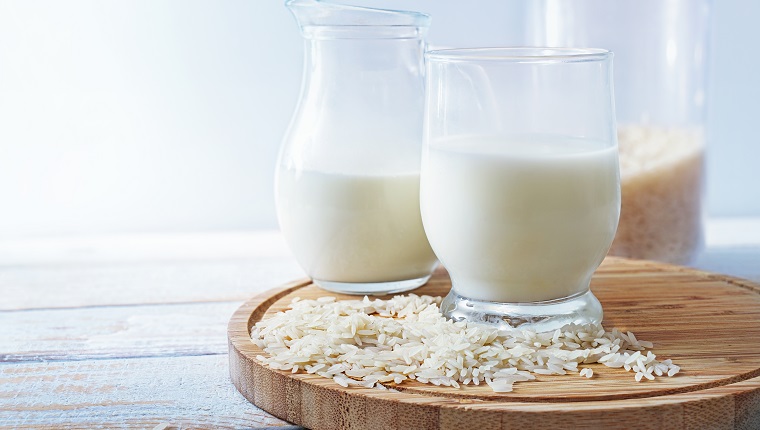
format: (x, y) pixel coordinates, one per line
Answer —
(661, 60)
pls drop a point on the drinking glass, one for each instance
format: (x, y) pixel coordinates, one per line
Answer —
(520, 183)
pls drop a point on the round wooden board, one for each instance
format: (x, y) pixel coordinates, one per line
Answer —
(708, 324)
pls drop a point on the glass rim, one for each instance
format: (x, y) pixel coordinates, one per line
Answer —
(520, 54)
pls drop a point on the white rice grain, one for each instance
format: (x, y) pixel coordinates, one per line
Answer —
(371, 342)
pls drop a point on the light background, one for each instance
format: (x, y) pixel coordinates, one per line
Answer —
(166, 115)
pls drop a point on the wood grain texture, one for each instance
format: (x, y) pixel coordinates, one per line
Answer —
(129, 332)
(185, 392)
(139, 312)
(115, 332)
(138, 283)
(707, 323)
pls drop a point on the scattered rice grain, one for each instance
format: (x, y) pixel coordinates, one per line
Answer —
(370, 342)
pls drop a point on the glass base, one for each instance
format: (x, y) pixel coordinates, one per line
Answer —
(372, 288)
(545, 316)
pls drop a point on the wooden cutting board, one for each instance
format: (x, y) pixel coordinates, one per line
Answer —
(706, 323)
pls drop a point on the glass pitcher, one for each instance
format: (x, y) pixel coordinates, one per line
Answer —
(661, 62)
(347, 179)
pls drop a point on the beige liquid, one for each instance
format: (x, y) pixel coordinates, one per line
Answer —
(661, 173)
(517, 221)
(354, 228)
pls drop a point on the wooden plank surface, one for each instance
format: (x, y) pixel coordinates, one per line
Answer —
(185, 392)
(79, 284)
(146, 314)
(115, 332)
(129, 331)
(141, 269)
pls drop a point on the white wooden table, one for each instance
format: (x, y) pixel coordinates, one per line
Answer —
(130, 331)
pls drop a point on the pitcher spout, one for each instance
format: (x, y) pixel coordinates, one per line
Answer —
(316, 16)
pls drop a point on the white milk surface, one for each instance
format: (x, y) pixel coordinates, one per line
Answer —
(354, 228)
(520, 220)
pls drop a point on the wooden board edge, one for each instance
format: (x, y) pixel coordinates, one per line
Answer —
(327, 405)
(243, 367)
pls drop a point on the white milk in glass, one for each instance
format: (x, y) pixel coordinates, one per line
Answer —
(354, 228)
(520, 219)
